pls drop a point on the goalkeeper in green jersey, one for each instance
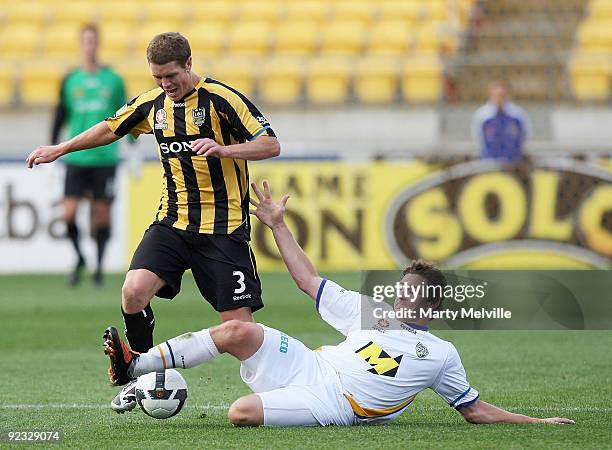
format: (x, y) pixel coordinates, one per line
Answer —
(89, 94)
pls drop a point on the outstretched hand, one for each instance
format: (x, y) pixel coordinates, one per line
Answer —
(43, 154)
(558, 421)
(267, 211)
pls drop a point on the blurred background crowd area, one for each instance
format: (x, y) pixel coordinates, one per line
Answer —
(426, 85)
(319, 67)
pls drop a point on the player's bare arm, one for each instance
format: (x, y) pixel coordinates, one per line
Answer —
(262, 147)
(272, 214)
(482, 412)
(98, 135)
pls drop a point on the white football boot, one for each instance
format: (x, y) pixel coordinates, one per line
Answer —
(125, 400)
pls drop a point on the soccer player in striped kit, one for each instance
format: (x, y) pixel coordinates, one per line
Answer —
(206, 132)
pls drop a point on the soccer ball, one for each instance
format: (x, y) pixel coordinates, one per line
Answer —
(161, 394)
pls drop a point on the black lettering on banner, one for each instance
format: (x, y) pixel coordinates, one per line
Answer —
(359, 186)
(354, 235)
(13, 206)
(57, 225)
(293, 186)
(330, 184)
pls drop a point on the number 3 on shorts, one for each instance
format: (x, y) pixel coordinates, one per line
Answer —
(241, 286)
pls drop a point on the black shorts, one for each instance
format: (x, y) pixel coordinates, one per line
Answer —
(97, 182)
(223, 266)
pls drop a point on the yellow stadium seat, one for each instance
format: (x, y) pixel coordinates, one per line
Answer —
(317, 10)
(62, 41)
(595, 36)
(376, 80)
(351, 10)
(137, 77)
(19, 41)
(435, 10)
(327, 81)
(390, 38)
(146, 32)
(40, 82)
(161, 26)
(280, 81)
(600, 9)
(408, 10)
(590, 77)
(343, 38)
(270, 11)
(208, 43)
(237, 73)
(249, 38)
(212, 12)
(422, 80)
(158, 11)
(116, 40)
(428, 39)
(460, 9)
(202, 66)
(296, 38)
(30, 14)
(7, 84)
(75, 12)
(115, 12)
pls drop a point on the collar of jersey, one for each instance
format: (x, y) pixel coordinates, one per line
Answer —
(418, 327)
(195, 88)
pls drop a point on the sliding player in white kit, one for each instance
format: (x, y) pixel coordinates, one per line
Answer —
(371, 377)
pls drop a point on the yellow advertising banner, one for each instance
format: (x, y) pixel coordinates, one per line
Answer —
(546, 213)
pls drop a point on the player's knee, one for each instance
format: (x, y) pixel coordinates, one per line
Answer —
(246, 411)
(100, 213)
(134, 296)
(237, 331)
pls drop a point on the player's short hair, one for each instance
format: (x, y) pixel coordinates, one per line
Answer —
(433, 277)
(90, 26)
(168, 47)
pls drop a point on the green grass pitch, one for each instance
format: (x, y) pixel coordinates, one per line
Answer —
(54, 376)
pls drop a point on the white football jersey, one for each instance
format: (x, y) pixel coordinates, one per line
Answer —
(381, 369)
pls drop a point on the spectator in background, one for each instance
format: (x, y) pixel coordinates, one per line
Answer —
(89, 94)
(500, 127)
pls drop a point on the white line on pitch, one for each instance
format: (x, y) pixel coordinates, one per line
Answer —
(550, 409)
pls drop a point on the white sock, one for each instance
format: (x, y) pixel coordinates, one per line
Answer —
(182, 352)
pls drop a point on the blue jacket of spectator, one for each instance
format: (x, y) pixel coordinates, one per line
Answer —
(500, 132)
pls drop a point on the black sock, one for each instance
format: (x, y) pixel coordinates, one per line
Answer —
(101, 236)
(73, 235)
(139, 329)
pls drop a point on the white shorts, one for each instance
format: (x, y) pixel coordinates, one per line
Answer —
(296, 386)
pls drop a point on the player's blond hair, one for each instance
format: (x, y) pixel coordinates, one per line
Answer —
(168, 47)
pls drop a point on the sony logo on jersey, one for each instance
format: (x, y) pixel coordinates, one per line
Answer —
(175, 147)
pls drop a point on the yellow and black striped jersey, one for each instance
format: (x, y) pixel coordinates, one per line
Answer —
(199, 194)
